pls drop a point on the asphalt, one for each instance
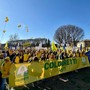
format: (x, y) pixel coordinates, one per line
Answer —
(75, 80)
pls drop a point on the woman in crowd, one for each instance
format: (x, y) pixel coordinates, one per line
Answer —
(5, 68)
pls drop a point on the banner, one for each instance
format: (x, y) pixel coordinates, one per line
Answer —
(25, 73)
(26, 44)
(19, 74)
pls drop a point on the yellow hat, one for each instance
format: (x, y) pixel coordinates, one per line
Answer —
(7, 58)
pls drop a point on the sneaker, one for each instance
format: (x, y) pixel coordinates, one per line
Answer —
(64, 80)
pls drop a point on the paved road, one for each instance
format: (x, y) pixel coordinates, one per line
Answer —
(77, 81)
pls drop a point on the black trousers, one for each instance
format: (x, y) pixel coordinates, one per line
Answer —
(0, 78)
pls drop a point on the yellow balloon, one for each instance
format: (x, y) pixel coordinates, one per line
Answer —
(19, 26)
(6, 19)
(4, 31)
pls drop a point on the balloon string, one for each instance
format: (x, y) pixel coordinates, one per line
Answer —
(4, 25)
(2, 36)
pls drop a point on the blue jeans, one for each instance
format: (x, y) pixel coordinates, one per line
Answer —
(2, 83)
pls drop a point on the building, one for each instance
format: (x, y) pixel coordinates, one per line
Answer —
(85, 43)
(29, 42)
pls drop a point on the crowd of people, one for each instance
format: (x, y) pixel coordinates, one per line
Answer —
(10, 56)
(28, 55)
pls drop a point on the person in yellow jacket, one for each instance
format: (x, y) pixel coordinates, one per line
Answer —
(1, 62)
(5, 68)
(17, 59)
(26, 57)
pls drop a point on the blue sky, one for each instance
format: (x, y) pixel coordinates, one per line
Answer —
(43, 17)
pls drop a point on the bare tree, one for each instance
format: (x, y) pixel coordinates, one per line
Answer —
(13, 37)
(68, 34)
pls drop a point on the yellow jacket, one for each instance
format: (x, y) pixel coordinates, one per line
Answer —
(38, 55)
(17, 59)
(26, 57)
(5, 69)
(80, 54)
(1, 63)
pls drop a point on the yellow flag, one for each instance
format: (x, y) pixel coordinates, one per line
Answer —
(6, 45)
(19, 26)
(53, 47)
(6, 19)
